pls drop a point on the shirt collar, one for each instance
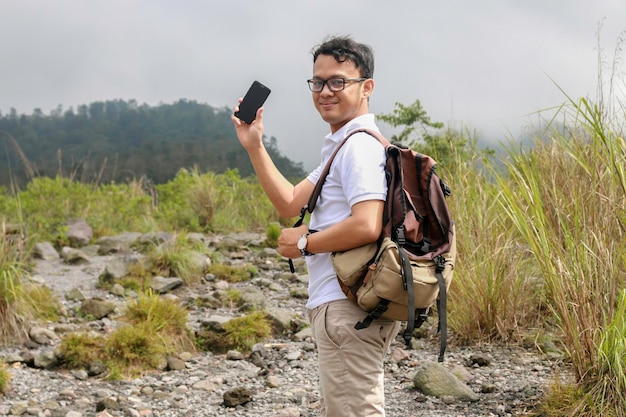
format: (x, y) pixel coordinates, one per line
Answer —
(366, 120)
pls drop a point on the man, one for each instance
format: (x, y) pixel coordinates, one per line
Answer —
(348, 214)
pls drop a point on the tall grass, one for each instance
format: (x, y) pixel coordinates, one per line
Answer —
(20, 301)
(494, 296)
(567, 198)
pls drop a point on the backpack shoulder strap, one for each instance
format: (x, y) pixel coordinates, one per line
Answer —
(320, 182)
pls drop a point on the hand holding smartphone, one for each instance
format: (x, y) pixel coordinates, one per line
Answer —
(252, 101)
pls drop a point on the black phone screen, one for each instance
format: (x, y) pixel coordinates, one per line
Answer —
(254, 98)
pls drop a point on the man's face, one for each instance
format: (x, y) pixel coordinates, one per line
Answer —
(339, 107)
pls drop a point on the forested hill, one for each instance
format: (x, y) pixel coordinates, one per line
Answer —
(120, 140)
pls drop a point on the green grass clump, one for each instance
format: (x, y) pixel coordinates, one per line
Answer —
(166, 317)
(5, 378)
(231, 297)
(239, 333)
(272, 232)
(153, 328)
(21, 302)
(80, 349)
(134, 349)
(231, 273)
(179, 258)
(244, 332)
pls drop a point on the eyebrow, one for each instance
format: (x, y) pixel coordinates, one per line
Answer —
(316, 77)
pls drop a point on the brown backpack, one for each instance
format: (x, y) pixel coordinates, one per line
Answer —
(417, 244)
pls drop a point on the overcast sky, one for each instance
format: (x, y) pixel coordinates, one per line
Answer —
(481, 64)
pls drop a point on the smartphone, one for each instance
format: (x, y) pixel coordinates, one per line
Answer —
(254, 98)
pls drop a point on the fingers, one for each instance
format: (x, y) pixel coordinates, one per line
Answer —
(259, 115)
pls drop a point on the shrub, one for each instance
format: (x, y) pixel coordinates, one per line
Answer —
(47, 203)
(213, 203)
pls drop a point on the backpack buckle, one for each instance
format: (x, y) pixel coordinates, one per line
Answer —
(440, 262)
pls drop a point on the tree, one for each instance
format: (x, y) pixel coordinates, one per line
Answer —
(430, 139)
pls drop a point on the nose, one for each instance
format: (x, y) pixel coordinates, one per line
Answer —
(326, 89)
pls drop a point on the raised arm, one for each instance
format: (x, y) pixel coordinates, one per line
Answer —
(286, 198)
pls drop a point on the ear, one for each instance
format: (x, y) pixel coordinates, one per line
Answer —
(368, 87)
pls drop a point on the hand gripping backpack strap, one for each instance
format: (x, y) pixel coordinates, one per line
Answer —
(318, 189)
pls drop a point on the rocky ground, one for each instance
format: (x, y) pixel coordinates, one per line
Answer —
(279, 378)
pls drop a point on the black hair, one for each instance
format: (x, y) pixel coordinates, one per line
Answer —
(344, 48)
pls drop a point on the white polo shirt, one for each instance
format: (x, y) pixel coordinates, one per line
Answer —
(357, 174)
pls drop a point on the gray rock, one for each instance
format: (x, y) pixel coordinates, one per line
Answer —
(97, 308)
(479, 359)
(118, 290)
(434, 379)
(289, 412)
(234, 355)
(216, 322)
(79, 233)
(75, 295)
(199, 262)
(281, 318)
(96, 368)
(155, 238)
(80, 374)
(252, 299)
(43, 336)
(303, 334)
(196, 238)
(74, 256)
(237, 396)
(45, 251)
(272, 381)
(117, 244)
(45, 359)
(19, 408)
(116, 268)
(208, 385)
(109, 403)
(269, 253)
(175, 364)
(162, 285)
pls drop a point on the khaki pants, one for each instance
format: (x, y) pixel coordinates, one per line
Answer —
(350, 361)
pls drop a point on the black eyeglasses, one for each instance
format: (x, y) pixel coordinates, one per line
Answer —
(334, 84)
